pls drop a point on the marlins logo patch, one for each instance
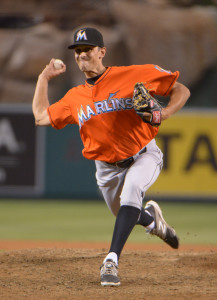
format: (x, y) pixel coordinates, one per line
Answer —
(81, 35)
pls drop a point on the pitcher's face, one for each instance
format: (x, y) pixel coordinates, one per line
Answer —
(89, 58)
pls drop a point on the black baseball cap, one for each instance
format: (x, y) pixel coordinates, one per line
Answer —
(87, 36)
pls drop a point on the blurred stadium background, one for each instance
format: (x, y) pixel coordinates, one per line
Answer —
(42, 163)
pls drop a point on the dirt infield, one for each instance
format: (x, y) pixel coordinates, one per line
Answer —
(63, 271)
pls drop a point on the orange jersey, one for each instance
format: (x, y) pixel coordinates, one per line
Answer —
(109, 127)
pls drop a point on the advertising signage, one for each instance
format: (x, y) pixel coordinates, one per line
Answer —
(21, 152)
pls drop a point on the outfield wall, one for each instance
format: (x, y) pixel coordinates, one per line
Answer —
(44, 162)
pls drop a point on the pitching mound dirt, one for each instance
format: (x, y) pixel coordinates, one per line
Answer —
(73, 273)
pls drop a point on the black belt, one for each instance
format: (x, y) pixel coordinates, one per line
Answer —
(125, 163)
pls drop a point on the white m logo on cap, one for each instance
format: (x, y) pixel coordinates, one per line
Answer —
(81, 35)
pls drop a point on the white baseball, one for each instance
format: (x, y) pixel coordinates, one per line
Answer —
(58, 64)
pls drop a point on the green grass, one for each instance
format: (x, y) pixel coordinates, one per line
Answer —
(92, 221)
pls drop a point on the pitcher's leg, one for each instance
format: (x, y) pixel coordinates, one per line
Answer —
(140, 176)
(110, 180)
(137, 180)
(129, 212)
(151, 216)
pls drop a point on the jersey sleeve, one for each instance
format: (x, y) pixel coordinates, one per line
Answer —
(163, 80)
(60, 114)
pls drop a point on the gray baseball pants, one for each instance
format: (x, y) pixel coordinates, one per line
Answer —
(127, 186)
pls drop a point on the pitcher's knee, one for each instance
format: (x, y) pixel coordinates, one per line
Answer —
(133, 183)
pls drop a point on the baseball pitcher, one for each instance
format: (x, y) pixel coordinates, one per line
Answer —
(118, 118)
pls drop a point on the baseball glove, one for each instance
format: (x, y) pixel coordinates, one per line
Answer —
(146, 106)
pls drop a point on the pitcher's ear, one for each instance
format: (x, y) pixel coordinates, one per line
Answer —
(103, 52)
